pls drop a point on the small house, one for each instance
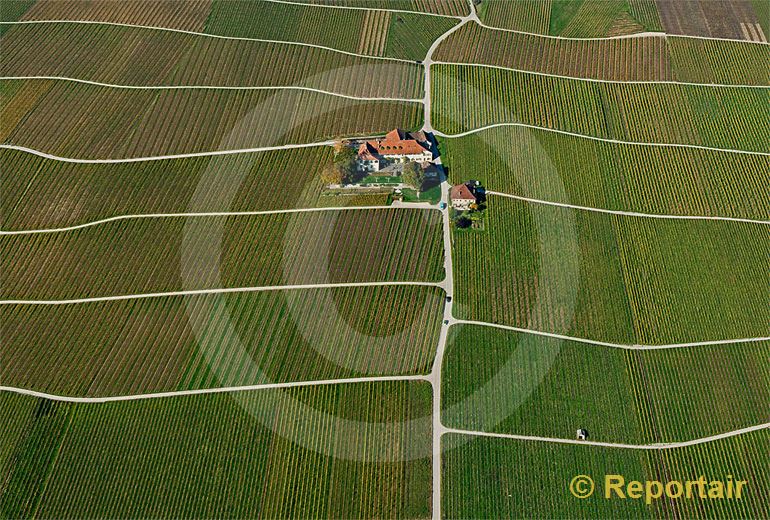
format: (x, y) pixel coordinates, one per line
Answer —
(582, 434)
(462, 197)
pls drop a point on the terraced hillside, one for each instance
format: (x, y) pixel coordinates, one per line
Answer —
(225, 251)
(469, 98)
(172, 455)
(523, 384)
(137, 56)
(654, 58)
(214, 341)
(158, 122)
(481, 490)
(613, 277)
(205, 312)
(575, 170)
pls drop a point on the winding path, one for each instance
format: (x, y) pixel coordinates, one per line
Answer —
(206, 391)
(593, 138)
(222, 290)
(655, 446)
(210, 87)
(210, 214)
(624, 346)
(596, 80)
(627, 213)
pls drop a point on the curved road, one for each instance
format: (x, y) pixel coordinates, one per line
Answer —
(595, 80)
(627, 213)
(210, 87)
(593, 138)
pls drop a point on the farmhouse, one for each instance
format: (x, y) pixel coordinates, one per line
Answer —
(462, 197)
(397, 147)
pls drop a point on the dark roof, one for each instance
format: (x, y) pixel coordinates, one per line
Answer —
(461, 192)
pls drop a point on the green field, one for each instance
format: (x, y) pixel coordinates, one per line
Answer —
(612, 278)
(209, 341)
(467, 98)
(139, 56)
(572, 18)
(374, 33)
(504, 381)
(171, 254)
(502, 478)
(304, 452)
(58, 117)
(559, 168)
(624, 59)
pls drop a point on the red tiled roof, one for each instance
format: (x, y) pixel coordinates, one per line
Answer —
(367, 150)
(393, 144)
(461, 192)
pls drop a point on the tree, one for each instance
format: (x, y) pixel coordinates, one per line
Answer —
(413, 176)
(340, 145)
(345, 162)
(331, 175)
(463, 222)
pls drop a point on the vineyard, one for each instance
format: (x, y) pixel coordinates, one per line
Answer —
(481, 481)
(71, 193)
(612, 278)
(189, 15)
(133, 262)
(629, 59)
(404, 35)
(153, 345)
(467, 98)
(699, 279)
(559, 168)
(400, 35)
(526, 385)
(626, 59)
(576, 19)
(172, 254)
(716, 19)
(719, 61)
(58, 117)
(442, 7)
(178, 457)
(12, 10)
(137, 56)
